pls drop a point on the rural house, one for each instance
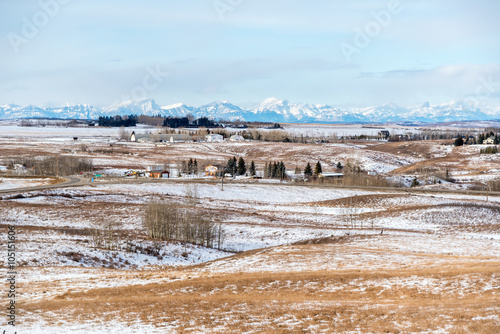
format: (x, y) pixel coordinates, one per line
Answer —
(214, 138)
(489, 141)
(160, 137)
(383, 134)
(215, 170)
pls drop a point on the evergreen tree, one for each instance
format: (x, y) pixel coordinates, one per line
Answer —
(190, 166)
(184, 167)
(195, 167)
(230, 166)
(308, 170)
(459, 141)
(281, 171)
(242, 168)
(318, 170)
(339, 165)
(252, 168)
(481, 138)
(274, 170)
(235, 166)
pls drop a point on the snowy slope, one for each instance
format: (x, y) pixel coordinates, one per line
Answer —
(269, 110)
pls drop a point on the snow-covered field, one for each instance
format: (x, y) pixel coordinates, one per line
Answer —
(10, 183)
(295, 257)
(281, 225)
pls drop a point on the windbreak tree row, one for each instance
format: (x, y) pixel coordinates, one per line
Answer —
(56, 165)
(171, 222)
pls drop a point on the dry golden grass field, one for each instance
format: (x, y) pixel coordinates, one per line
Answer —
(296, 258)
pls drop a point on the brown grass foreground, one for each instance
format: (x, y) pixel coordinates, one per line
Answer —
(459, 298)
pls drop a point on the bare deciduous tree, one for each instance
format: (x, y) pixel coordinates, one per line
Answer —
(350, 211)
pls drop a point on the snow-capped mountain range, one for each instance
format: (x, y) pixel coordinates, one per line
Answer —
(269, 110)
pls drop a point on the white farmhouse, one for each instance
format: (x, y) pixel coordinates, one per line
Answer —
(489, 141)
(214, 138)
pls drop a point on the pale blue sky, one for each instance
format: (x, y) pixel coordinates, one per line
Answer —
(98, 52)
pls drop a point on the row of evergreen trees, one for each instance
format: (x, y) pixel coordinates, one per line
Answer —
(188, 122)
(118, 121)
(489, 150)
(190, 167)
(318, 169)
(239, 167)
(275, 170)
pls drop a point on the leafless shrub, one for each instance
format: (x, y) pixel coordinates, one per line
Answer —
(124, 134)
(350, 212)
(84, 148)
(493, 186)
(107, 237)
(192, 194)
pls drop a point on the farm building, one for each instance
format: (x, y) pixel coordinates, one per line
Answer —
(330, 175)
(383, 134)
(160, 138)
(214, 138)
(159, 174)
(489, 141)
(236, 138)
(215, 170)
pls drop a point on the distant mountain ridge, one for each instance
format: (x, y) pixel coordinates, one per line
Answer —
(269, 110)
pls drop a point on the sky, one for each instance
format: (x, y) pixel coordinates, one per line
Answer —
(359, 52)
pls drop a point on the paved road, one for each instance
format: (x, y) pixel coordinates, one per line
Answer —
(71, 181)
(292, 184)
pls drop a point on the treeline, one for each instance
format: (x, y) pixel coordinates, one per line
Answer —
(189, 122)
(489, 150)
(239, 167)
(57, 165)
(275, 170)
(189, 167)
(169, 221)
(462, 140)
(55, 122)
(117, 121)
(233, 166)
(352, 175)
